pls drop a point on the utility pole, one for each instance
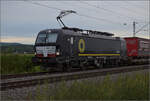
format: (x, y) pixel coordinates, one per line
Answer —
(134, 28)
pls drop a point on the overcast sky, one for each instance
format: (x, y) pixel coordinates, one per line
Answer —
(22, 20)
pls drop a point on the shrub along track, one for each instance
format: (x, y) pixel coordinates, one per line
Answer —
(67, 76)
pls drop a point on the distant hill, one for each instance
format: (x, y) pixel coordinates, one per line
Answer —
(16, 48)
(7, 44)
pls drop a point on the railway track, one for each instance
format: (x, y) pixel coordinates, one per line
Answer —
(9, 76)
(28, 75)
(66, 76)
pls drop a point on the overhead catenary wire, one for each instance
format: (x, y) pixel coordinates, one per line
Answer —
(142, 27)
(96, 18)
(108, 10)
(127, 2)
(103, 9)
(39, 4)
(92, 17)
(83, 15)
(87, 16)
(99, 19)
(132, 11)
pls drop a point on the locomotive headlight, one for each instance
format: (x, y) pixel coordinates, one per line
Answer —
(57, 53)
(49, 31)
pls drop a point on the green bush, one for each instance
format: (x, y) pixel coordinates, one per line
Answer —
(17, 63)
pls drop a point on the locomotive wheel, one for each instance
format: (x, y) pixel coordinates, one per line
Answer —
(67, 68)
(82, 66)
(60, 67)
(99, 64)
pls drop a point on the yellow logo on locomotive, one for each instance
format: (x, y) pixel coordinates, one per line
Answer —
(81, 45)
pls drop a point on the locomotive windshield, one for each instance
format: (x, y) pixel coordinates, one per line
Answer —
(41, 38)
(51, 38)
(47, 38)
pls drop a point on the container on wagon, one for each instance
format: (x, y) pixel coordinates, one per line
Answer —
(137, 47)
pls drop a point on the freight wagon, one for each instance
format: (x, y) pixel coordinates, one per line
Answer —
(138, 49)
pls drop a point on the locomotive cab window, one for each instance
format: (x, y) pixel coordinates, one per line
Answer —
(41, 38)
(51, 38)
(47, 38)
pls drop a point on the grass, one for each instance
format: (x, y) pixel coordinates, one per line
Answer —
(17, 63)
(124, 88)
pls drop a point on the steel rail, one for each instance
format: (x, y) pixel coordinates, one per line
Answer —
(10, 76)
(70, 76)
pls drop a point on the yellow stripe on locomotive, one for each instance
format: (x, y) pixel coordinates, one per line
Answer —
(99, 54)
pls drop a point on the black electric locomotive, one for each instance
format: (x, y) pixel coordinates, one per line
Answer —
(72, 47)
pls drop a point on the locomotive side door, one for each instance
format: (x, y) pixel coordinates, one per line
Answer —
(71, 46)
(68, 46)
